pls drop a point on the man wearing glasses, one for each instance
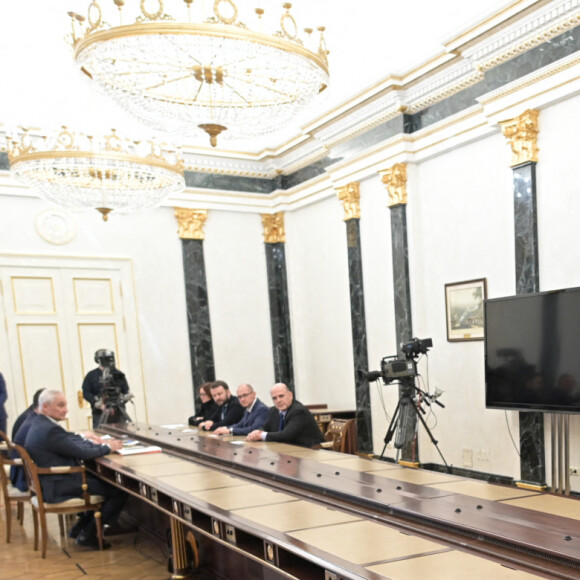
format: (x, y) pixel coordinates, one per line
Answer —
(254, 417)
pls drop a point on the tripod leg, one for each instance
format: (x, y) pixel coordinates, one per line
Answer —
(391, 428)
(405, 422)
(433, 440)
(105, 416)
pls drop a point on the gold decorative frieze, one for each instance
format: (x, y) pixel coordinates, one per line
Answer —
(522, 134)
(395, 178)
(350, 197)
(273, 224)
(191, 223)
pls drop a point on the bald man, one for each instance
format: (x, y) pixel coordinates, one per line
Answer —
(289, 421)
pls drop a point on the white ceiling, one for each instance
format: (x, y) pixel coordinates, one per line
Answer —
(368, 40)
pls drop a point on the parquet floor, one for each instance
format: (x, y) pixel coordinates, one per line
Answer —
(132, 556)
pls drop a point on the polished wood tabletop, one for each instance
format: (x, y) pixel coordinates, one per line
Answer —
(335, 508)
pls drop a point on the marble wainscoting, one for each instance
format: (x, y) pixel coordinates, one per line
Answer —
(532, 454)
(403, 318)
(359, 336)
(198, 322)
(526, 229)
(280, 313)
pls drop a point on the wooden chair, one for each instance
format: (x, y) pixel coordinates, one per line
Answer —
(341, 436)
(40, 508)
(11, 494)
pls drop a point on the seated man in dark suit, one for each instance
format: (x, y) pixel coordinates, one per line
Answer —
(32, 410)
(50, 445)
(289, 421)
(17, 475)
(229, 410)
(255, 413)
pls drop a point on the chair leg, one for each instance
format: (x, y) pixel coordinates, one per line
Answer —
(62, 530)
(44, 533)
(35, 522)
(8, 506)
(61, 525)
(99, 529)
(20, 512)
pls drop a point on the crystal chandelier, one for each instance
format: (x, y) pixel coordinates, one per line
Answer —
(77, 171)
(212, 75)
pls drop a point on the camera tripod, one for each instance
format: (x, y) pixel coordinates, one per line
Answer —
(402, 417)
(114, 413)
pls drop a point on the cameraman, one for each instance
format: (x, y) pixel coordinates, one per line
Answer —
(93, 383)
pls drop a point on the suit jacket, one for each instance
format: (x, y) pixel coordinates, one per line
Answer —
(3, 398)
(300, 427)
(17, 474)
(20, 421)
(233, 413)
(251, 420)
(206, 410)
(50, 445)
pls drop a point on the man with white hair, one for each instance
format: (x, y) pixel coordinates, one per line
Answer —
(50, 445)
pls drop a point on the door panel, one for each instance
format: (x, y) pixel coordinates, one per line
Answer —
(57, 312)
(33, 295)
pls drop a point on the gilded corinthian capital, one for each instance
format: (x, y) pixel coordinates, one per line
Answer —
(191, 223)
(522, 134)
(273, 224)
(350, 197)
(395, 178)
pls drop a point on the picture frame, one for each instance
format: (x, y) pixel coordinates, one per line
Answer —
(464, 303)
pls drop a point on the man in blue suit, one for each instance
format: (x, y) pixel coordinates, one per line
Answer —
(50, 445)
(254, 416)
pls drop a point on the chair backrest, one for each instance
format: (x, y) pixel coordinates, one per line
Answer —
(12, 462)
(342, 434)
(33, 473)
(30, 470)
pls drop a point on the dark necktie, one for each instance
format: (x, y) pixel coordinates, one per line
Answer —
(223, 413)
(281, 424)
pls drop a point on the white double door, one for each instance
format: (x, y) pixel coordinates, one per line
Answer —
(57, 312)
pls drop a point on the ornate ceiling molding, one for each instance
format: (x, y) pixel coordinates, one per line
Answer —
(528, 32)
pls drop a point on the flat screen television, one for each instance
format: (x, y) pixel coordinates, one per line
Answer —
(532, 352)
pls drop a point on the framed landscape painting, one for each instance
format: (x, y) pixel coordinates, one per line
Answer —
(464, 309)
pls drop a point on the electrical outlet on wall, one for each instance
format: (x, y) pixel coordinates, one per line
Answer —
(467, 457)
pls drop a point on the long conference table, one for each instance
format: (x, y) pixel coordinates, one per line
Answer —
(273, 511)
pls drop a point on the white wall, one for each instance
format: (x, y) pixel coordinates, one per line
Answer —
(235, 262)
(151, 241)
(460, 226)
(317, 264)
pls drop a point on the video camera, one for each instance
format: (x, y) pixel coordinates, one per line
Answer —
(416, 347)
(393, 368)
(113, 381)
